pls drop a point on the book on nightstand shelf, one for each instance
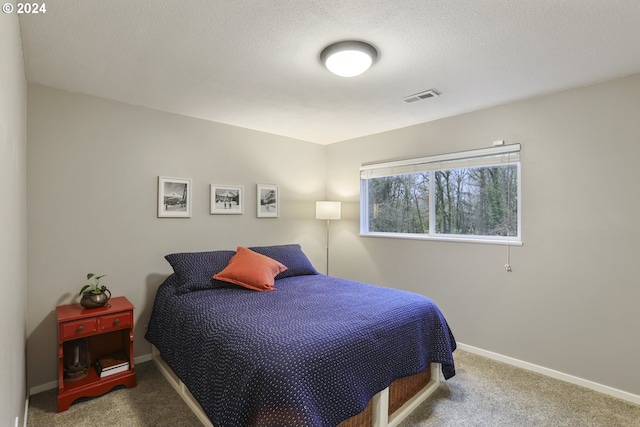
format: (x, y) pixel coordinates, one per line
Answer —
(112, 364)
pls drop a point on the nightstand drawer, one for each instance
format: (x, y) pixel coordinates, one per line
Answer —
(115, 321)
(79, 328)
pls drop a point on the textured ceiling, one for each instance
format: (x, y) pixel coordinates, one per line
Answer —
(254, 63)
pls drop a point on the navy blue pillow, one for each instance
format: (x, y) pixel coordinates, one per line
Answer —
(291, 256)
(195, 270)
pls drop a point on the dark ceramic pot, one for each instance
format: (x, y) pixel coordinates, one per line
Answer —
(91, 300)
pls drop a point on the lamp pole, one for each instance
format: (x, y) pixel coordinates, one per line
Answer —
(328, 210)
(328, 246)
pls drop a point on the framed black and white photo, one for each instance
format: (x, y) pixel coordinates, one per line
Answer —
(268, 201)
(174, 197)
(227, 199)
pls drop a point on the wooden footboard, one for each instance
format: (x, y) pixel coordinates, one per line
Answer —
(392, 405)
(386, 409)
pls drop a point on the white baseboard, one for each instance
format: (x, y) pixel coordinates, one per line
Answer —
(26, 412)
(629, 397)
(54, 384)
(43, 387)
(143, 358)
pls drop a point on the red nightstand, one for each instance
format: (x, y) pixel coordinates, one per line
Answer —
(107, 330)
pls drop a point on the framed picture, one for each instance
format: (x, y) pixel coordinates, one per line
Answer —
(174, 197)
(227, 199)
(268, 201)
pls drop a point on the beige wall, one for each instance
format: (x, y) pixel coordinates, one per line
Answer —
(92, 192)
(571, 302)
(13, 231)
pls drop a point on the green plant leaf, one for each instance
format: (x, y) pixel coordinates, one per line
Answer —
(90, 275)
(83, 289)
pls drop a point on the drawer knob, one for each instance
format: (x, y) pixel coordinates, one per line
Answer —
(80, 328)
(115, 322)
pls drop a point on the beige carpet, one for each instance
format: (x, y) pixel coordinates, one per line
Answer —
(489, 393)
(483, 393)
(153, 402)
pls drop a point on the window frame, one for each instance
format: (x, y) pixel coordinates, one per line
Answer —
(442, 162)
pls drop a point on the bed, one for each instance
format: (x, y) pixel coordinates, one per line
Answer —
(313, 351)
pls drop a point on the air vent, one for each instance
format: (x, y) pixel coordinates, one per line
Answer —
(422, 95)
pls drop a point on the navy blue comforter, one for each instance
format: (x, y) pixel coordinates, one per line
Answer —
(311, 353)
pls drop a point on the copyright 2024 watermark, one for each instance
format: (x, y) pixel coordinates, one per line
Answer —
(25, 8)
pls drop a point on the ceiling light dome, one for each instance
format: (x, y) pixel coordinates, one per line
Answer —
(348, 58)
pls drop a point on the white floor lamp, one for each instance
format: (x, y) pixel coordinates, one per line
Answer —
(328, 210)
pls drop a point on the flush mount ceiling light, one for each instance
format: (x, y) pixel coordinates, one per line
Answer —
(348, 58)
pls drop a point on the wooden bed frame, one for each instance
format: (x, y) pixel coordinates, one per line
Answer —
(386, 409)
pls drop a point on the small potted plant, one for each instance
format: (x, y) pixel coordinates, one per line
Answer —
(94, 295)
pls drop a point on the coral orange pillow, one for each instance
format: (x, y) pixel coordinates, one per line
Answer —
(251, 270)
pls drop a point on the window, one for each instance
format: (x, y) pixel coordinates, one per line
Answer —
(466, 196)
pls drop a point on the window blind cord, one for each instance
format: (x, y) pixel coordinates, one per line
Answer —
(507, 266)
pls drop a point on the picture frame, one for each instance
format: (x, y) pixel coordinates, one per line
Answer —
(227, 199)
(268, 201)
(174, 197)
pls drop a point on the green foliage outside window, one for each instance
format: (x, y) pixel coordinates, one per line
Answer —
(478, 201)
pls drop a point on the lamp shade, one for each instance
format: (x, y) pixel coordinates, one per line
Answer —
(328, 210)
